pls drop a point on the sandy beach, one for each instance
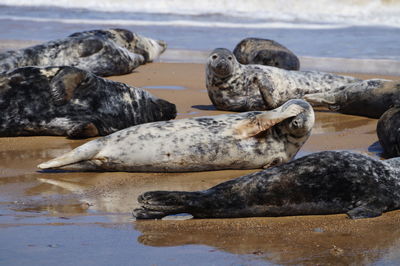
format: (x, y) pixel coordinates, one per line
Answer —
(85, 218)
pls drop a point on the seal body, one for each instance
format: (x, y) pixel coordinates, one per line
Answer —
(265, 52)
(232, 141)
(370, 98)
(72, 102)
(388, 131)
(321, 183)
(102, 52)
(236, 87)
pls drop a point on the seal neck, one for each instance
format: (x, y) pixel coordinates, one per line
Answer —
(394, 162)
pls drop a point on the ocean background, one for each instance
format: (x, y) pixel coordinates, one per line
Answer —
(361, 29)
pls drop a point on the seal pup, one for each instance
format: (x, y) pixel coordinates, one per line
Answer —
(370, 98)
(236, 87)
(265, 52)
(388, 131)
(231, 141)
(73, 102)
(327, 182)
(102, 52)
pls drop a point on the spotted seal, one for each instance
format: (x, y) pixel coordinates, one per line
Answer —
(265, 52)
(370, 98)
(72, 102)
(236, 87)
(327, 182)
(231, 141)
(388, 131)
(102, 52)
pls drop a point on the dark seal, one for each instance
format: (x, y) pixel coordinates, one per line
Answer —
(236, 87)
(102, 52)
(327, 182)
(72, 102)
(370, 98)
(388, 130)
(265, 52)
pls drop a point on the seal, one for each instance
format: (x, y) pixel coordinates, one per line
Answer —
(72, 102)
(327, 182)
(265, 52)
(388, 131)
(236, 87)
(231, 141)
(102, 52)
(370, 98)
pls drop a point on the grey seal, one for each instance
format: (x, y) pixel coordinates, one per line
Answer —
(370, 98)
(73, 102)
(236, 87)
(231, 141)
(102, 52)
(327, 182)
(265, 52)
(388, 131)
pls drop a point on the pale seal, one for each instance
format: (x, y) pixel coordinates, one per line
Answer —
(388, 131)
(236, 87)
(102, 52)
(265, 52)
(231, 141)
(370, 98)
(327, 182)
(73, 102)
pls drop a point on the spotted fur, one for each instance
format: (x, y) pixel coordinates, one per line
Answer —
(232, 141)
(72, 102)
(370, 98)
(388, 130)
(327, 182)
(236, 87)
(102, 52)
(265, 52)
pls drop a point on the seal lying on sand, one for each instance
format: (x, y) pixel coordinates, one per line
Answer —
(72, 102)
(232, 141)
(102, 52)
(370, 98)
(321, 183)
(236, 87)
(265, 52)
(388, 130)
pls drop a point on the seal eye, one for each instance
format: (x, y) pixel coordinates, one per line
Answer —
(214, 56)
(230, 58)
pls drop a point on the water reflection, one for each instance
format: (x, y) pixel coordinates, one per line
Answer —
(327, 240)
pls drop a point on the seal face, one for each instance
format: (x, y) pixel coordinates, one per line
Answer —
(388, 131)
(265, 52)
(72, 102)
(232, 141)
(321, 183)
(236, 87)
(370, 98)
(102, 52)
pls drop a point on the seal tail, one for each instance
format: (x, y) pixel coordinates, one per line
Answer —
(85, 152)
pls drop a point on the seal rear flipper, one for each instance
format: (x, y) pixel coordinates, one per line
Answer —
(79, 157)
(64, 83)
(262, 122)
(364, 211)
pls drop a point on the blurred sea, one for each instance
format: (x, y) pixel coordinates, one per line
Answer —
(368, 29)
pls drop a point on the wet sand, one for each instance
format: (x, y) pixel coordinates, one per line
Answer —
(49, 218)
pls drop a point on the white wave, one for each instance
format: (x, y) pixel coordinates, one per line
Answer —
(356, 12)
(184, 23)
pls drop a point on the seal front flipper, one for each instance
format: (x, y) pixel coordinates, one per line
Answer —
(88, 47)
(262, 122)
(82, 130)
(365, 211)
(327, 99)
(63, 84)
